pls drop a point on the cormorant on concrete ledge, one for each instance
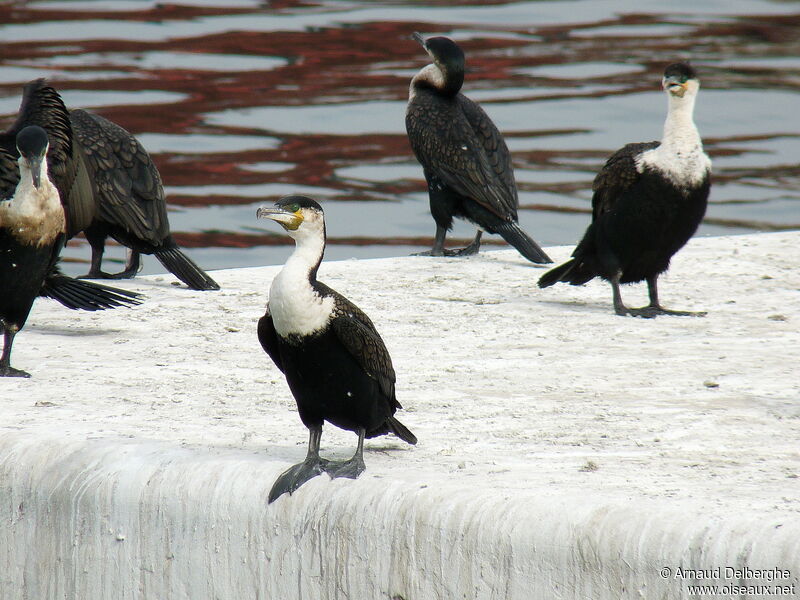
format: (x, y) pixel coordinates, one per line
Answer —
(334, 360)
(32, 225)
(130, 203)
(648, 200)
(465, 159)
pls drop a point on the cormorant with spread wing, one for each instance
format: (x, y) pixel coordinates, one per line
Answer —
(32, 226)
(334, 360)
(466, 161)
(648, 200)
(130, 203)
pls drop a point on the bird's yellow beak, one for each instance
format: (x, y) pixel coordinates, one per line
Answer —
(674, 87)
(287, 219)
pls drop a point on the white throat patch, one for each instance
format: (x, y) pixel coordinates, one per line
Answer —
(33, 216)
(680, 156)
(295, 306)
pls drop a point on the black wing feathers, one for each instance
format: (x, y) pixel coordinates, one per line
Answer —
(617, 175)
(42, 106)
(269, 339)
(132, 196)
(9, 173)
(456, 141)
(358, 335)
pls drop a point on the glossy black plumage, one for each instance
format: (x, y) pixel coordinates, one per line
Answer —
(130, 203)
(465, 160)
(341, 372)
(32, 218)
(642, 213)
(347, 356)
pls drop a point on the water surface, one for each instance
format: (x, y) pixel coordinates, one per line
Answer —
(243, 102)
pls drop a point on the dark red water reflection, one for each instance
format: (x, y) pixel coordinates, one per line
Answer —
(356, 59)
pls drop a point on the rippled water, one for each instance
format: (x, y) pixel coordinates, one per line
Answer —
(242, 102)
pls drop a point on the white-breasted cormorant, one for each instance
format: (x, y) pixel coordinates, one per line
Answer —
(130, 203)
(334, 360)
(649, 199)
(464, 157)
(32, 226)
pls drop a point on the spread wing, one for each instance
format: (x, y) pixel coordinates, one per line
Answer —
(269, 339)
(9, 174)
(617, 175)
(359, 336)
(457, 142)
(42, 106)
(131, 195)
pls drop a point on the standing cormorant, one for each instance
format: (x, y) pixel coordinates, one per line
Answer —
(334, 360)
(648, 200)
(130, 203)
(465, 159)
(32, 226)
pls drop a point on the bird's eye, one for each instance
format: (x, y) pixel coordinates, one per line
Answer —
(294, 207)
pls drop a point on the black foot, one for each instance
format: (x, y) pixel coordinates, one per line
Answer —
(466, 251)
(126, 274)
(294, 477)
(350, 469)
(12, 372)
(470, 250)
(651, 312)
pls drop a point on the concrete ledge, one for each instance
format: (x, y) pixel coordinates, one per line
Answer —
(564, 452)
(111, 520)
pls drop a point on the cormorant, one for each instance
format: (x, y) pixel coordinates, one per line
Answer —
(648, 200)
(130, 203)
(32, 225)
(334, 360)
(465, 159)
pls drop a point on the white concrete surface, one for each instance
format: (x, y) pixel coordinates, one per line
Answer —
(564, 452)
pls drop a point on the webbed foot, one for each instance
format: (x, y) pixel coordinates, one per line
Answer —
(350, 469)
(651, 312)
(12, 372)
(466, 251)
(291, 479)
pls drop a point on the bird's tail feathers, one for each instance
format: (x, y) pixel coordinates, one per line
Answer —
(185, 269)
(514, 235)
(78, 294)
(574, 272)
(401, 431)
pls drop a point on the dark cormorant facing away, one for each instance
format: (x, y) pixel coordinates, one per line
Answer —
(648, 200)
(335, 362)
(130, 202)
(465, 159)
(32, 225)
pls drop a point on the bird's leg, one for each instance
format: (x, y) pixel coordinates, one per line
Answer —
(132, 267)
(6, 370)
(293, 478)
(619, 307)
(96, 269)
(98, 245)
(655, 308)
(350, 468)
(438, 244)
(473, 247)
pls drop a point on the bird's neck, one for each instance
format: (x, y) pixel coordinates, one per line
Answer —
(447, 82)
(34, 215)
(296, 306)
(680, 132)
